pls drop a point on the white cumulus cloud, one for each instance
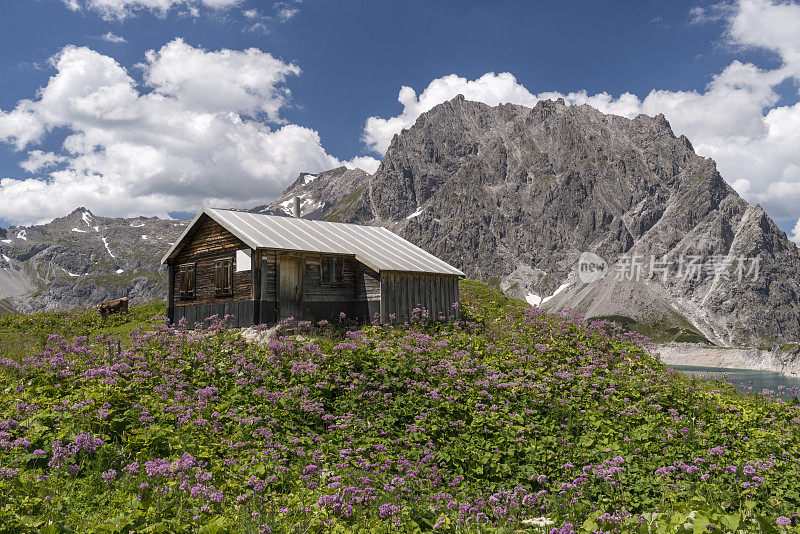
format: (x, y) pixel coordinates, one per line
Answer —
(735, 119)
(796, 233)
(120, 9)
(110, 37)
(286, 11)
(365, 163)
(38, 159)
(203, 127)
(490, 89)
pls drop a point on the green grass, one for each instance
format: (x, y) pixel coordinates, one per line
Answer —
(349, 204)
(498, 424)
(6, 307)
(658, 332)
(491, 304)
(29, 333)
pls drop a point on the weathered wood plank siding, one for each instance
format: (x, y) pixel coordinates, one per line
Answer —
(210, 242)
(268, 275)
(256, 280)
(268, 312)
(368, 289)
(357, 296)
(315, 290)
(291, 285)
(171, 292)
(240, 311)
(403, 292)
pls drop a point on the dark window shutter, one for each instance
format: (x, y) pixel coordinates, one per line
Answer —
(228, 276)
(186, 281)
(191, 281)
(331, 270)
(326, 269)
(223, 277)
(183, 282)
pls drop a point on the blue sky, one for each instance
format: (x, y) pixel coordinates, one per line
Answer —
(336, 64)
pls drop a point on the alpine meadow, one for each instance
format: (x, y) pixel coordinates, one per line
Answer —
(511, 420)
(370, 267)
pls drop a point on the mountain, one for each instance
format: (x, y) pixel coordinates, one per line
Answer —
(510, 194)
(81, 259)
(517, 194)
(331, 194)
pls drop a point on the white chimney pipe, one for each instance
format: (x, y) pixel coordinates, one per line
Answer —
(296, 208)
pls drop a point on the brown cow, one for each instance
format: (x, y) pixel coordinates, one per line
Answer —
(113, 306)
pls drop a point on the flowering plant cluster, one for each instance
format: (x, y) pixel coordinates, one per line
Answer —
(512, 420)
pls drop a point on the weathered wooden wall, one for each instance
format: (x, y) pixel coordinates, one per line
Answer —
(402, 292)
(241, 312)
(269, 302)
(368, 289)
(323, 300)
(358, 296)
(314, 290)
(291, 284)
(171, 292)
(207, 243)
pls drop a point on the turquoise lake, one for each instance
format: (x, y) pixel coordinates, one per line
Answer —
(748, 380)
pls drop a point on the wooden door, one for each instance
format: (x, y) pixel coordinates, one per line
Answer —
(291, 286)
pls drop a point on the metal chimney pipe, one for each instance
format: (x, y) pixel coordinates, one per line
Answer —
(296, 207)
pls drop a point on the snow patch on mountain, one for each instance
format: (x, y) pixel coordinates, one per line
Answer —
(561, 288)
(533, 299)
(536, 300)
(307, 204)
(107, 247)
(416, 213)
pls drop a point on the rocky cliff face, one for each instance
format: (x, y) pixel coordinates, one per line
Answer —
(80, 260)
(519, 193)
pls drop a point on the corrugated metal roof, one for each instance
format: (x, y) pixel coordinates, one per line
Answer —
(376, 247)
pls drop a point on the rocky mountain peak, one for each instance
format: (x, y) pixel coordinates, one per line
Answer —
(516, 194)
(507, 193)
(81, 259)
(319, 193)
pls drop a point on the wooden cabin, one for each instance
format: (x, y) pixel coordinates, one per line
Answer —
(265, 268)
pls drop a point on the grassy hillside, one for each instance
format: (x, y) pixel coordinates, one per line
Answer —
(510, 421)
(28, 334)
(659, 332)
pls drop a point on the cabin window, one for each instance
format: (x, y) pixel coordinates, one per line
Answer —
(331, 270)
(223, 277)
(186, 281)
